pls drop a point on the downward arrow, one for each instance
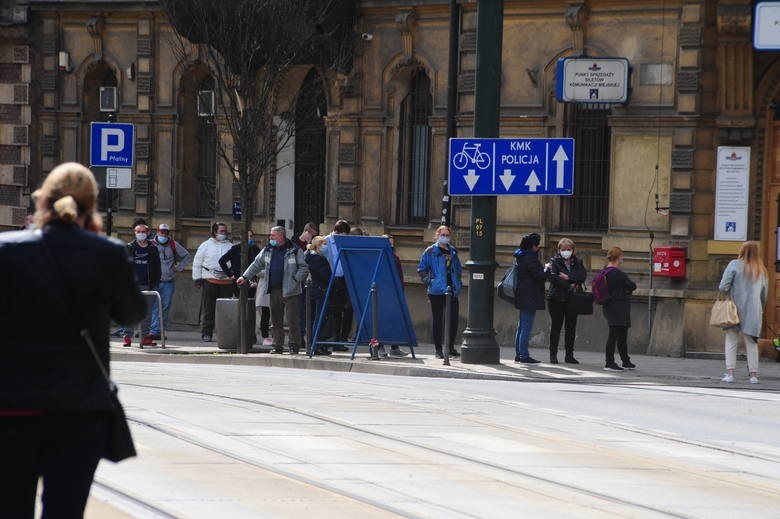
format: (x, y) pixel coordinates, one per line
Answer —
(533, 182)
(560, 159)
(471, 179)
(507, 178)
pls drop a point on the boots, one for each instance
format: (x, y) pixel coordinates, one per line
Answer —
(570, 356)
(553, 355)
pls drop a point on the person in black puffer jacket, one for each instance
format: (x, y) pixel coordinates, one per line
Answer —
(567, 274)
(320, 272)
(55, 403)
(529, 293)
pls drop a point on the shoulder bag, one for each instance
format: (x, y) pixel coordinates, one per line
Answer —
(580, 302)
(506, 287)
(724, 312)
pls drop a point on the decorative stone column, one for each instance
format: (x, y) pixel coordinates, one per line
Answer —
(735, 70)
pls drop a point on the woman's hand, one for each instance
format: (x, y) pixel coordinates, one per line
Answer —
(563, 276)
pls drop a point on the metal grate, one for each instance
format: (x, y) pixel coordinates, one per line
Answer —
(588, 209)
(414, 152)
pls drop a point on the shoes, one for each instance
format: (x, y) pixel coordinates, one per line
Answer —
(571, 360)
(727, 378)
(268, 341)
(397, 352)
(612, 367)
(553, 359)
(205, 338)
(126, 342)
(277, 351)
(381, 351)
(293, 351)
(754, 380)
(527, 360)
(148, 341)
(439, 355)
(156, 336)
(629, 365)
(454, 353)
(340, 347)
(322, 351)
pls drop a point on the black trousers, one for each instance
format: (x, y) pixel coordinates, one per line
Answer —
(340, 310)
(619, 335)
(559, 316)
(63, 449)
(212, 292)
(438, 305)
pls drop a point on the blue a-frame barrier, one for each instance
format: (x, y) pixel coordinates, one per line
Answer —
(366, 261)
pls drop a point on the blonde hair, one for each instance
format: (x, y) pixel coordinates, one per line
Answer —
(614, 253)
(565, 242)
(67, 193)
(751, 257)
(442, 228)
(315, 242)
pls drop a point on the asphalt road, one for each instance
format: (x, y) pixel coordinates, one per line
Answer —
(251, 441)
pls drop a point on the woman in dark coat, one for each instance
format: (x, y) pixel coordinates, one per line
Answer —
(320, 272)
(617, 311)
(55, 403)
(567, 274)
(529, 293)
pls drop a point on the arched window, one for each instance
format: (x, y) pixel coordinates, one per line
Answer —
(310, 109)
(414, 152)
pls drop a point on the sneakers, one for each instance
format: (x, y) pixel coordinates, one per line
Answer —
(147, 341)
(612, 367)
(730, 378)
(205, 338)
(754, 380)
(527, 360)
(629, 365)
(454, 353)
(126, 342)
(397, 352)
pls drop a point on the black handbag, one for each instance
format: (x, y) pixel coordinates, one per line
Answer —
(580, 303)
(120, 444)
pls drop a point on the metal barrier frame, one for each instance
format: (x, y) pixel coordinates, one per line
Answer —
(160, 314)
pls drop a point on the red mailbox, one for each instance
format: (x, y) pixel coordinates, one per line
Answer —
(669, 261)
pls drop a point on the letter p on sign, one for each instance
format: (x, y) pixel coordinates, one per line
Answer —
(106, 145)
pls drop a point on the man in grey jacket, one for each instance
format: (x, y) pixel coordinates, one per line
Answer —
(285, 269)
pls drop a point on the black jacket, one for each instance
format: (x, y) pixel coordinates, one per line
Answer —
(529, 286)
(233, 258)
(45, 363)
(560, 288)
(319, 268)
(617, 311)
(155, 270)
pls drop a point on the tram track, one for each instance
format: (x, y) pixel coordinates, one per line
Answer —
(608, 500)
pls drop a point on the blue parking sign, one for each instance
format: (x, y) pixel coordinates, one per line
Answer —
(112, 145)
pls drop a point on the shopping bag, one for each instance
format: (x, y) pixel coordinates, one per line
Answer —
(724, 313)
(506, 288)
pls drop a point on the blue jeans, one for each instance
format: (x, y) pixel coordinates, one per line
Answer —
(166, 290)
(524, 326)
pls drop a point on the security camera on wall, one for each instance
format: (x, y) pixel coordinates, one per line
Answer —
(367, 36)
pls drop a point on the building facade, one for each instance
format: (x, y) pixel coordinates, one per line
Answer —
(645, 170)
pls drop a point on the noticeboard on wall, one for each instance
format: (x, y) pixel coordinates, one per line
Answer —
(731, 193)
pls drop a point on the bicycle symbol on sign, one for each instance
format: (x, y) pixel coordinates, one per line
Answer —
(471, 154)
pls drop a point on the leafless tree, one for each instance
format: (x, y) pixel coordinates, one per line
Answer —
(249, 47)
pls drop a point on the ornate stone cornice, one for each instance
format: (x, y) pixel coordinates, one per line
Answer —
(576, 16)
(95, 28)
(734, 18)
(405, 22)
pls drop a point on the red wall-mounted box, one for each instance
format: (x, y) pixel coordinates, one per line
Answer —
(669, 261)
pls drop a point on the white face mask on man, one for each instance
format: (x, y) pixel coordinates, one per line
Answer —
(140, 236)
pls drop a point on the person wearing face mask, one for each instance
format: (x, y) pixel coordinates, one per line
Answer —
(319, 272)
(310, 230)
(209, 276)
(230, 263)
(173, 258)
(439, 268)
(567, 274)
(146, 258)
(617, 311)
(529, 293)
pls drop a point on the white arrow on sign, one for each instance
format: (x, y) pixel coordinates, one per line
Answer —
(471, 179)
(533, 182)
(507, 178)
(559, 158)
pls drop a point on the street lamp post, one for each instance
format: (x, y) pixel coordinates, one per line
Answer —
(479, 338)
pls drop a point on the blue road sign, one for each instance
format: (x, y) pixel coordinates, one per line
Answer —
(515, 166)
(112, 145)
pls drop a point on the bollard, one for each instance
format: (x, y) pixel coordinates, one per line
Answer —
(243, 347)
(160, 314)
(307, 305)
(447, 310)
(373, 344)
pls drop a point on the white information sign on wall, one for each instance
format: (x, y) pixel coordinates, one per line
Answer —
(592, 80)
(766, 26)
(119, 178)
(731, 193)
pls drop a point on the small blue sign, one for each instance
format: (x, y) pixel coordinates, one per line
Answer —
(515, 166)
(112, 145)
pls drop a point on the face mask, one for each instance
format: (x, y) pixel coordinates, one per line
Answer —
(221, 237)
(162, 240)
(140, 236)
(250, 242)
(273, 243)
(566, 254)
(443, 240)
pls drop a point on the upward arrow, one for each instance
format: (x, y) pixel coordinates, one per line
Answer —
(533, 182)
(471, 179)
(560, 159)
